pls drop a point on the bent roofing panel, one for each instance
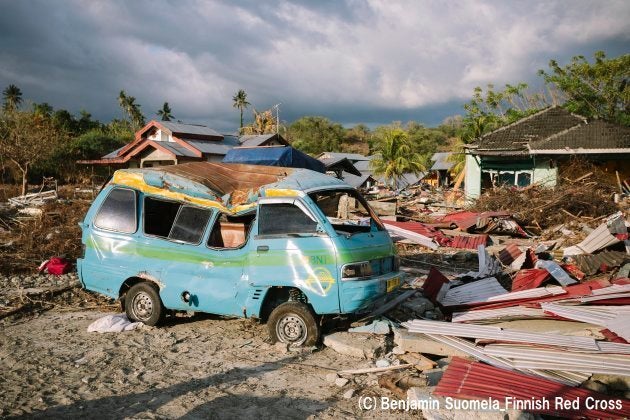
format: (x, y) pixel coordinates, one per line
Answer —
(355, 181)
(332, 164)
(596, 134)
(442, 161)
(197, 130)
(536, 127)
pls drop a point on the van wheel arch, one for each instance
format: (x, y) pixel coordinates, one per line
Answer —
(278, 295)
(128, 284)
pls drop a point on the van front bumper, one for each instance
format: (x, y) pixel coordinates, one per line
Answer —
(359, 296)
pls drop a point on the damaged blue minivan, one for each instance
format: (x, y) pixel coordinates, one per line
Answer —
(287, 246)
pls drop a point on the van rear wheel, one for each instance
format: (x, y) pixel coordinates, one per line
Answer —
(293, 323)
(143, 304)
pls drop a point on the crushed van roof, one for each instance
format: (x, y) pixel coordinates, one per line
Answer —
(233, 188)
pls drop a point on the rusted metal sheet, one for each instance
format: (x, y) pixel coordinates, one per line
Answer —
(436, 285)
(591, 264)
(509, 254)
(468, 242)
(225, 177)
(467, 219)
(466, 379)
(529, 279)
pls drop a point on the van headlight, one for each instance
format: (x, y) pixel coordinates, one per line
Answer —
(356, 270)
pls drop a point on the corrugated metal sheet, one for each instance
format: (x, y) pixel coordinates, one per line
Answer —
(475, 380)
(477, 291)
(468, 242)
(411, 231)
(615, 318)
(598, 239)
(509, 254)
(175, 148)
(494, 333)
(503, 314)
(529, 279)
(591, 264)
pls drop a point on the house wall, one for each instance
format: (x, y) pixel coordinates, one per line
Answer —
(472, 186)
(160, 135)
(156, 157)
(545, 174)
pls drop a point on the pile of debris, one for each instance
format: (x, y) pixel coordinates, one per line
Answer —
(535, 320)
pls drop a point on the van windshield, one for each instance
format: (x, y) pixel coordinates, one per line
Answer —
(347, 211)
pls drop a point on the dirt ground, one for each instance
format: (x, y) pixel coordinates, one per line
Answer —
(196, 367)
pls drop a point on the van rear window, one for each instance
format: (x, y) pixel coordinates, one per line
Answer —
(118, 211)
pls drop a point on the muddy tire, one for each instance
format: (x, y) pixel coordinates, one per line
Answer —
(143, 304)
(293, 323)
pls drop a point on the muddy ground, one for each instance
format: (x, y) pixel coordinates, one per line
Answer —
(192, 367)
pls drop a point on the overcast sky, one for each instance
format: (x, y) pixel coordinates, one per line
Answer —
(352, 61)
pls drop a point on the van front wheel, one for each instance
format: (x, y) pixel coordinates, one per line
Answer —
(293, 323)
(143, 304)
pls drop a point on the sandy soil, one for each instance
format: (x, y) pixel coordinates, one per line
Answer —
(198, 367)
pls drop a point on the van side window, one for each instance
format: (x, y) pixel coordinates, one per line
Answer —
(190, 224)
(118, 211)
(159, 216)
(230, 231)
(282, 219)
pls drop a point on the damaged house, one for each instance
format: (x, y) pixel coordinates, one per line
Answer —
(534, 150)
(161, 143)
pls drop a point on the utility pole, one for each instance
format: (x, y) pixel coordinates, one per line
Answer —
(277, 107)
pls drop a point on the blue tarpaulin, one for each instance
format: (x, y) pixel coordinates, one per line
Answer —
(274, 156)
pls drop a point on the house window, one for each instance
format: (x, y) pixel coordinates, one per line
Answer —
(118, 211)
(523, 179)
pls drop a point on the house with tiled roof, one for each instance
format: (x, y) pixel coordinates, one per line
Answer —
(536, 148)
(161, 143)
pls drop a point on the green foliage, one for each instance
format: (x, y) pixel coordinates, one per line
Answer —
(27, 139)
(315, 135)
(597, 90)
(489, 111)
(165, 113)
(12, 98)
(131, 109)
(395, 155)
(240, 102)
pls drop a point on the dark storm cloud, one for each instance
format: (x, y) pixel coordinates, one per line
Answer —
(352, 61)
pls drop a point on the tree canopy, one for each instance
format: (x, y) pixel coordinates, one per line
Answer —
(240, 102)
(597, 90)
(165, 113)
(12, 98)
(395, 155)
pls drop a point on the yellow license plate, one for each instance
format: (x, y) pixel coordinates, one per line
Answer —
(393, 283)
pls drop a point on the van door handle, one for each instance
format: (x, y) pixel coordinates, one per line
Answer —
(262, 248)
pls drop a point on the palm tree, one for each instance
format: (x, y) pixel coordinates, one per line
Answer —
(131, 108)
(43, 110)
(12, 96)
(396, 157)
(165, 112)
(240, 102)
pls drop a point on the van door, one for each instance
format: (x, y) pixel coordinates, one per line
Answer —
(290, 248)
(207, 279)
